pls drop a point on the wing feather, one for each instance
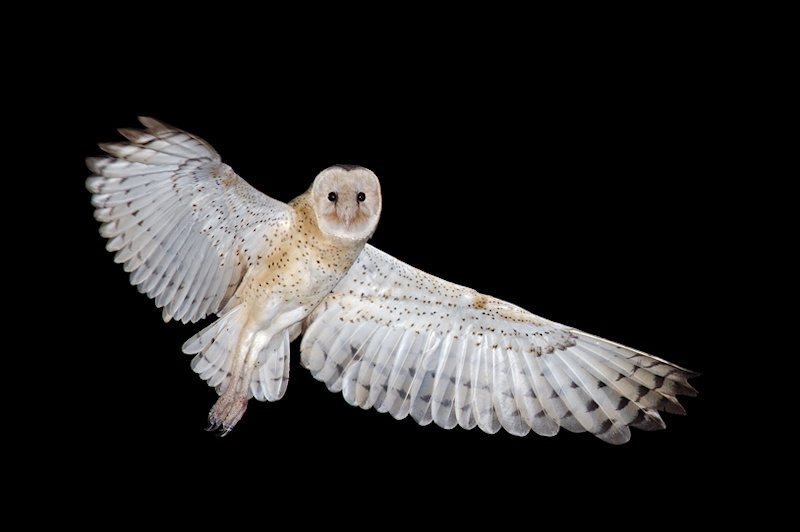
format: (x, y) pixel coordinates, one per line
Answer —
(505, 389)
(421, 389)
(158, 264)
(441, 401)
(545, 420)
(173, 213)
(379, 374)
(528, 404)
(407, 342)
(346, 344)
(483, 407)
(610, 425)
(463, 390)
(383, 383)
(180, 259)
(158, 225)
(382, 346)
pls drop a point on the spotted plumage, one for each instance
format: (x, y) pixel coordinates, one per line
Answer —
(200, 241)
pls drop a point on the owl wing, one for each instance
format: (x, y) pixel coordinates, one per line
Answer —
(399, 340)
(179, 220)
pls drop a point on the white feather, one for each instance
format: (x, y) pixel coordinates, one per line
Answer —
(271, 378)
(441, 401)
(394, 342)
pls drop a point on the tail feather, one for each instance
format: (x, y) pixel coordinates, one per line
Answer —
(214, 348)
(271, 377)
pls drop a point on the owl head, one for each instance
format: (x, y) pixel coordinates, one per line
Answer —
(347, 201)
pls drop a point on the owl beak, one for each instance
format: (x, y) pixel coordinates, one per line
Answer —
(347, 217)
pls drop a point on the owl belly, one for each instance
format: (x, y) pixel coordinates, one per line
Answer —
(274, 306)
(281, 289)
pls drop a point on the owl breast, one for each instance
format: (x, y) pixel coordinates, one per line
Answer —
(300, 269)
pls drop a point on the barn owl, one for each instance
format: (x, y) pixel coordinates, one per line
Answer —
(200, 241)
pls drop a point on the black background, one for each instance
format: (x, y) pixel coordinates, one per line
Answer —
(572, 180)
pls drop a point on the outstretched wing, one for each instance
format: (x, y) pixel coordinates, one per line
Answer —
(399, 340)
(178, 218)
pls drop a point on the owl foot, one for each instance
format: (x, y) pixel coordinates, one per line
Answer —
(226, 413)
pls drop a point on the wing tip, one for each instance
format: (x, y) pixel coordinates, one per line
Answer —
(149, 122)
(156, 126)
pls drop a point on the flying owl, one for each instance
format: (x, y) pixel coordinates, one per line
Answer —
(200, 240)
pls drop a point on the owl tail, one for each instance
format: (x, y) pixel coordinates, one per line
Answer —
(215, 349)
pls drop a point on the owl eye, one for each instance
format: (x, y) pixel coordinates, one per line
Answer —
(332, 196)
(361, 196)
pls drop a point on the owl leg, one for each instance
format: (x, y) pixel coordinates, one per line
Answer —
(232, 402)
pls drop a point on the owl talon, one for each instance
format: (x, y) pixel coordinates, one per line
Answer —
(226, 412)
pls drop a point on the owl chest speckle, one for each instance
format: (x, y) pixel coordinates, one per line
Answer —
(299, 265)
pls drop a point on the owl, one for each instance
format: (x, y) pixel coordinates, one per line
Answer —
(200, 241)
